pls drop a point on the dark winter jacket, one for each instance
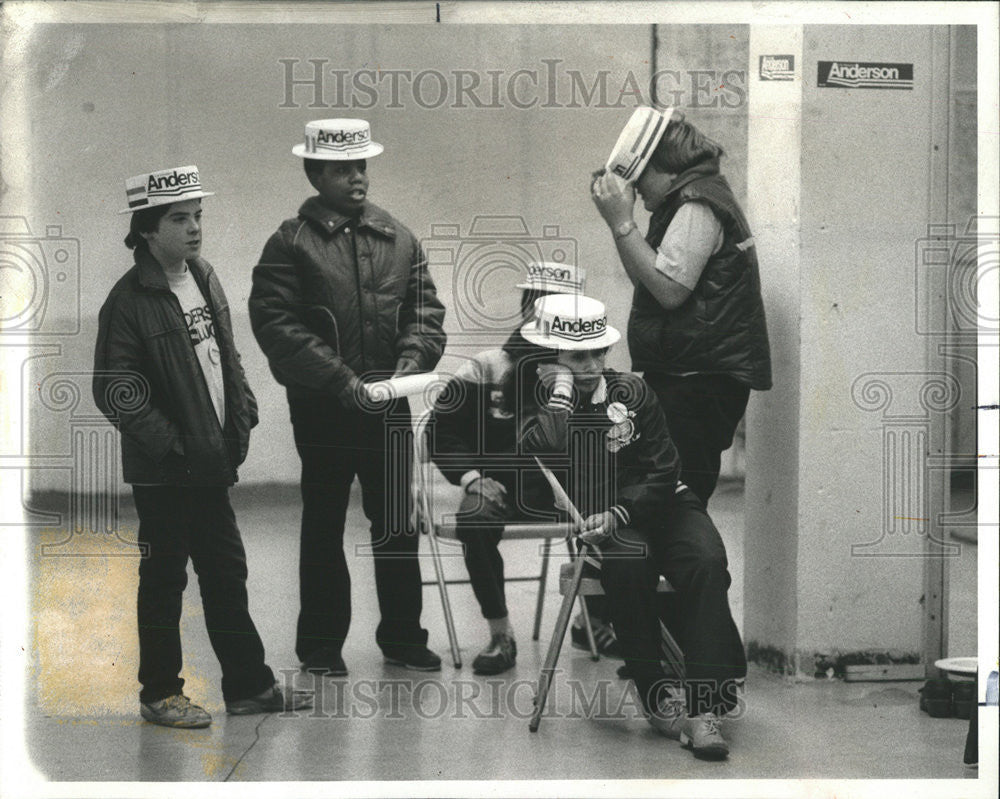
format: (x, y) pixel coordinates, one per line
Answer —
(148, 382)
(629, 466)
(720, 328)
(333, 299)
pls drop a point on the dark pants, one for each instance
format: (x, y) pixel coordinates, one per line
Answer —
(702, 413)
(479, 526)
(175, 523)
(335, 445)
(688, 551)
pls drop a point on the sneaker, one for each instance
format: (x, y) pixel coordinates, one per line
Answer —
(416, 658)
(175, 711)
(669, 717)
(604, 637)
(703, 736)
(498, 657)
(325, 662)
(271, 700)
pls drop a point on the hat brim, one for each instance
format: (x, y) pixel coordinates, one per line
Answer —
(553, 288)
(195, 195)
(370, 150)
(606, 339)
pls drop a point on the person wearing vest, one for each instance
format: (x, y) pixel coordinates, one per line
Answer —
(168, 376)
(697, 329)
(603, 435)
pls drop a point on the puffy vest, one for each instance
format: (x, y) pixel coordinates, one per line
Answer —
(720, 328)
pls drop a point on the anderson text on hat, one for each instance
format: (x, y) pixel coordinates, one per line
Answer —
(312, 83)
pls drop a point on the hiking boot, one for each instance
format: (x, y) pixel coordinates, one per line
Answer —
(604, 637)
(271, 700)
(416, 658)
(703, 736)
(669, 717)
(325, 662)
(175, 711)
(498, 657)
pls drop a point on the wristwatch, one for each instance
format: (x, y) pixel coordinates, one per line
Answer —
(624, 229)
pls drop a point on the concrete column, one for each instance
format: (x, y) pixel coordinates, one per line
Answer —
(843, 497)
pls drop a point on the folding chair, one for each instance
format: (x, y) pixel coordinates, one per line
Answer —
(572, 584)
(445, 528)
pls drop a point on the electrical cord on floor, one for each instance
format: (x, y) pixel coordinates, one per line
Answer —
(256, 733)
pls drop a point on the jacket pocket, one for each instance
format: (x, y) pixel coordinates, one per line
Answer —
(321, 321)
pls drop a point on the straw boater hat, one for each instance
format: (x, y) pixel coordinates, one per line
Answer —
(162, 188)
(554, 277)
(338, 140)
(570, 322)
(637, 142)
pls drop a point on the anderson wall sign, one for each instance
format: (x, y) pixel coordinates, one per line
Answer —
(863, 75)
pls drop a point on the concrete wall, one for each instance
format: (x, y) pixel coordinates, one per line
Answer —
(839, 500)
(108, 102)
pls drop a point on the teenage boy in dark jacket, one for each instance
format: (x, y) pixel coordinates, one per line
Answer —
(342, 295)
(604, 434)
(168, 376)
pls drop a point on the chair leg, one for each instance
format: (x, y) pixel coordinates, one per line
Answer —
(555, 645)
(542, 579)
(594, 654)
(449, 620)
(672, 652)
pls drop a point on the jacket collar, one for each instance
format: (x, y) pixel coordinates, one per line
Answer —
(152, 276)
(703, 170)
(331, 221)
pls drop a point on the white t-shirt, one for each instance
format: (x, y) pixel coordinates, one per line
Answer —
(201, 329)
(693, 236)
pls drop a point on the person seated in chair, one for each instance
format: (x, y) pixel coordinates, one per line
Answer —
(474, 445)
(603, 434)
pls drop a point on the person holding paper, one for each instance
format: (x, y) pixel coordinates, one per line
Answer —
(167, 374)
(342, 296)
(474, 444)
(603, 435)
(697, 329)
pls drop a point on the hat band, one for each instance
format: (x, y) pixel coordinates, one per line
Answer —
(575, 329)
(653, 135)
(313, 145)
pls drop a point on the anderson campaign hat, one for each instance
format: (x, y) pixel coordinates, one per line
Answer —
(570, 322)
(637, 142)
(554, 277)
(163, 187)
(338, 140)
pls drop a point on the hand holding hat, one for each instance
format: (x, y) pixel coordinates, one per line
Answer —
(614, 198)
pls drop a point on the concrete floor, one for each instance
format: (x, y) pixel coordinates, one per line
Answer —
(384, 723)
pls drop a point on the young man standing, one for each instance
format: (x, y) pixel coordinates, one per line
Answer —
(342, 295)
(605, 432)
(168, 376)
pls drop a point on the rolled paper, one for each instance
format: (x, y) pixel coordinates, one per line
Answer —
(405, 386)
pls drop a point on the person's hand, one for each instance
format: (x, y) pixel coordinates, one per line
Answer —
(614, 198)
(598, 528)
(553, 375)
(406, 366)
(488, 488)
(350, 395)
